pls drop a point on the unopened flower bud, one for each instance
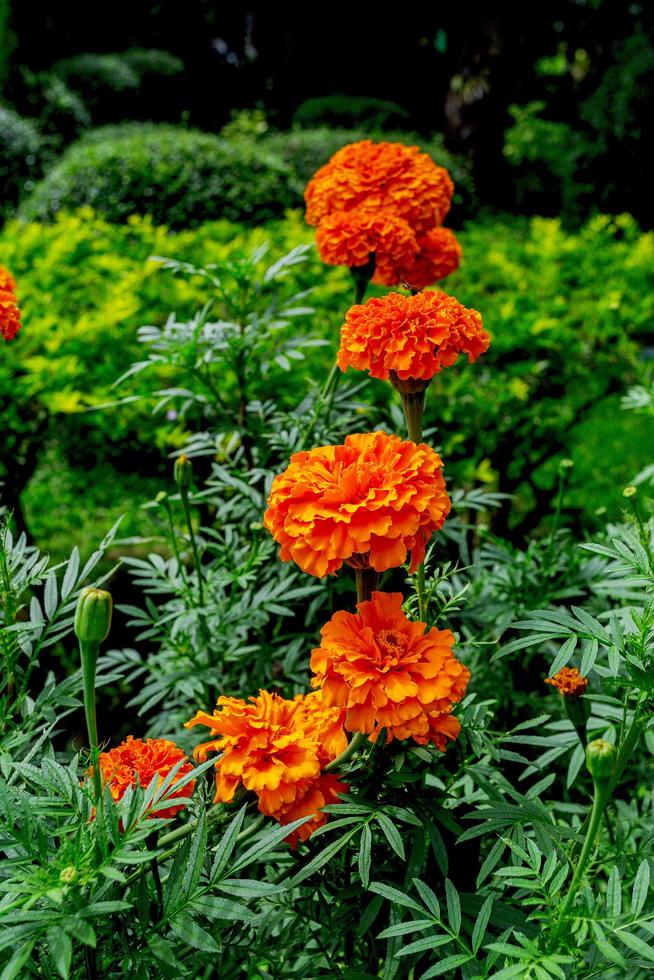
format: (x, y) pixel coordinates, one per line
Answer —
(600, 759)
(629, 492)
(182, 471)
(566, 464)
(67, 875)
(93, 615)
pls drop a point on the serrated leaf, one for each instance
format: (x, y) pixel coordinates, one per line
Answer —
(365, 848)
(637, 945)
(479, 930)
(449, 963)
(395, 895)
(641, 887)
(60, 949)
(392, 834)
(192, 934)
(564, 655)
(614, 893)
(453, 907)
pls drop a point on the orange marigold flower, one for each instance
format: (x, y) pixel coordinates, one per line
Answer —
(276, 748)
(388, 672)
(7, 281)
(9, 315)
(438, 255)
(351, 237)
(381, 177)
(569, 682)
(140, 760)
(369, 501)
(413, 337)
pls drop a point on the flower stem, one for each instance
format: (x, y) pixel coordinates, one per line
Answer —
(413, 403)
(194, 547)
(356, 742)
(366, 579)
(601, 797)
(151, 844)
(89, 656)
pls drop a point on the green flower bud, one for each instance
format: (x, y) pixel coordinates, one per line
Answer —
(182, 471)
(67, 875)
(600, 759)
(93, 615)
(629, 492)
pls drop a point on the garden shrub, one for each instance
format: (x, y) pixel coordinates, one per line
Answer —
(153, 63)
(96, 75)
(351, 112)
(21, 149)
(61, 113)
(178, 177)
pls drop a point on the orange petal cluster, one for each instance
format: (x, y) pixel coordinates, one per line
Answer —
(569, 682)
(352, 237)
(139, 760)
(388, 672)
(9, 312)
(388, 177)
(437, 255)
(371, 500)
(277, 748)
(412, 336)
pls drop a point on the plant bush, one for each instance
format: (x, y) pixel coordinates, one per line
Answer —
(60, 112)
(177, 177)
(351, 112)
(21, 162)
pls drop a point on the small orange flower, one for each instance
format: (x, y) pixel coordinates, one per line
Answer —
(388, 672)
(369, 501)
(569, 682)
(387, 177)
(438, 255)
(413, 337)
(276, 748)
(9, 312)
(352, 237)
(142, 759)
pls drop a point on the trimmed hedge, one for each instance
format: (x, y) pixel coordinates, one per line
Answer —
(21, 148)
(351, 111)
(178, 177)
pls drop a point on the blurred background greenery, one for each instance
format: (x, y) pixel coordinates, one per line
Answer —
(190, 130)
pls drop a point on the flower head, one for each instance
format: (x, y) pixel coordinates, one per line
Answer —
(438, 254)
(388, 672)
(137, 761)
(352, 237)
(276, 748)
(387, 177)
(413, 337)
(569, 682)
(9, 312)
(369, 501)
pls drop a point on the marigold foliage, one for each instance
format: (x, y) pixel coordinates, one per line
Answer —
(141, 760)
(373, 499)
(411, 336)
(388, 672)
(569, 682)
(276, 748)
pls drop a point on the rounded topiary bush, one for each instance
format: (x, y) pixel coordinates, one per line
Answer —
(356, 111)
(178, 177)
(21, 148)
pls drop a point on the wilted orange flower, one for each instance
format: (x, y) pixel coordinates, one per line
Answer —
(390, 673)
(381, 177)
(142, 759)
(411, 336)
(9, 312)
(276, 748)
(569, 682)
(369, 501)
(438, 255)
(351, 237)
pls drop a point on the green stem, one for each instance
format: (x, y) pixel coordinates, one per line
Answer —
(89, 658)
(413, 403)
(173, 538)
(355, 743)
(91, 964)
(366, 581)
(423, 604)
(626, 749)
(194, 547)
(644, 535)
(600, 799)
(151, 844)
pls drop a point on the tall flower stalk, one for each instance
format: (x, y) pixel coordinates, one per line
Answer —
(92, 625)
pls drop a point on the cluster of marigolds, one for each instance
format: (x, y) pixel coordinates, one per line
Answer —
(372, 503)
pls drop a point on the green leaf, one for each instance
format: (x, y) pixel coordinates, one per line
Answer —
(222, 908)
(365, 855)
(17, 962)
(420, 945)
(636, 944)
(641, 887)
(449, 963)
(321, 859)
(395, 895)
(392, 834)
(226, 845)
(564, 655)
(369, 915)
(406, 928)
(265, 844)
(428, 897)
(61, 951)
(491, 861)
(192, 934)
(479, 930)
(453, 907)
(614, 893)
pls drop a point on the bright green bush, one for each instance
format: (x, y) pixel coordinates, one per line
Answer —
(21, 148)
(177, 177)
(351, 111)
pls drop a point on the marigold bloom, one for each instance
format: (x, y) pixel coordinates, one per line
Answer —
(142, 759)
(351, 237)
(413, 337)
(388, 672)
(438, 255)
(387, 177)
(9, 312)
(369, 501)
(276, 748)
(569, 682)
